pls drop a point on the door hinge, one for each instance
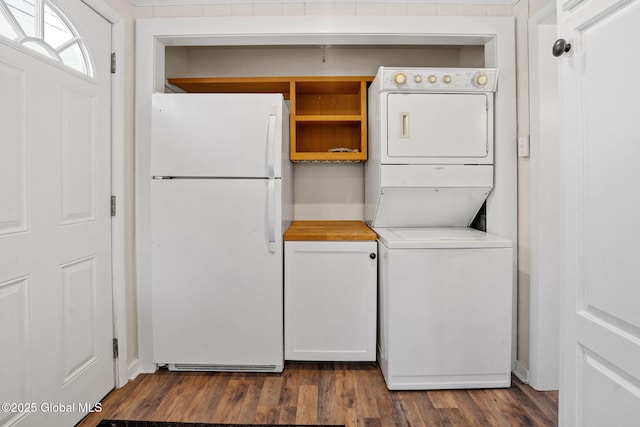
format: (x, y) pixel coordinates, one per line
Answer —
(113, 205)
(115, 348)
(113, 62)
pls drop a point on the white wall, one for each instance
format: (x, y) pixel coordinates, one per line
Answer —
(328, 8)
(545, 203)
(523, 10)
(321, 60)
(126, 10)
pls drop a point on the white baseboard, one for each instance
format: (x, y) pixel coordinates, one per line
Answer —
(521, 372)
(134, 369)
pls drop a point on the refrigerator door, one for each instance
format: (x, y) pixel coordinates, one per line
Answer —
(216, 278)
(217, 135)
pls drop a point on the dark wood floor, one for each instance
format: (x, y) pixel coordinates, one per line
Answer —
(353, 394)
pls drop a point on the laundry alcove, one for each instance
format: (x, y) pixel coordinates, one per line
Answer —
(351, 45)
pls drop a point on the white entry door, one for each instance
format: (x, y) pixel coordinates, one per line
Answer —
(600, 131)
(56, 359)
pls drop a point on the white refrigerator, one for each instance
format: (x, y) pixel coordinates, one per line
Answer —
(221, 197)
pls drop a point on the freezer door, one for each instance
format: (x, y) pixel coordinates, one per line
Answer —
(217, 135)
(216, 278)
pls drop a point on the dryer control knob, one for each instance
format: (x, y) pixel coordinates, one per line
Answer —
(417, 78)
(432, 78)
(482, 79)
(400, 78)
(447, 79)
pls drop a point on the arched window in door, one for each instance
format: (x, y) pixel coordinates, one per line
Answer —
(43, 28)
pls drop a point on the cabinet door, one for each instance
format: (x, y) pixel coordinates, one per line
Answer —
(330, 300)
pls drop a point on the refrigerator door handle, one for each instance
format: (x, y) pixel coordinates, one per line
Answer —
(271, 143)
(271, 215)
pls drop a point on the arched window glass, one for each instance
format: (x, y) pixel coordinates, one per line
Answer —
(41, 27)
(6, 29)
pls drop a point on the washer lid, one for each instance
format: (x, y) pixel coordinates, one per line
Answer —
(424, 238)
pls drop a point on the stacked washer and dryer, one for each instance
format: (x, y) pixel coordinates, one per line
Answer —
(445, 289)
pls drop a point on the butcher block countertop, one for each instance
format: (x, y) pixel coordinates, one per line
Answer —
(329, 230)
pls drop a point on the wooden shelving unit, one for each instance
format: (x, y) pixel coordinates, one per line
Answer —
(329, 118)
(328, 114)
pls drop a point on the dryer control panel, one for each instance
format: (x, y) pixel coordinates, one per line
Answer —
(439, 79)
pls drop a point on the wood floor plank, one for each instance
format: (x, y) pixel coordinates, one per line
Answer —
(268, 409)
(307, 409)
(352, 418)
(229, 407)
(119, 405)
(410, 408)
(119, 402)
(270, 393)
(207, 398)
(250, 404)
(545, 402)
(151, 404)
(342, 401)
(353, 394)
(196, 403)
(469, 409)
(453, 417)
(327, 403)
(372, 422)
(385, 403)
(267, 414)
(431, 416)
(289, 391)
(288, 415)
(512, 411)
(176, 402)
(365, 394)
(537, 414)
(488, 402)
(398, 411)
(309, 373)
(442, 399)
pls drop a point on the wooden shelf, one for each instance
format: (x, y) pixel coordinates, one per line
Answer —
(235, 85)
(329, 118)
(328, 114)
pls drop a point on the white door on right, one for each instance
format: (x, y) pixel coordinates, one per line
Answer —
(600, 189)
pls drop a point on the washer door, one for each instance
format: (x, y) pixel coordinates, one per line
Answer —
(440, 127)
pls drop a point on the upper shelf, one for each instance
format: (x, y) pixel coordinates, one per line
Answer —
(328, 113)
(235, 85)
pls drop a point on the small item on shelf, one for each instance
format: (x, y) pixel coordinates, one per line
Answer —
(344, 150)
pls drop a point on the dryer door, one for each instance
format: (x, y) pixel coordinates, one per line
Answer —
(452, 128)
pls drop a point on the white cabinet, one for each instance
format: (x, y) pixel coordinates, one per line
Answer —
(330, 300)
